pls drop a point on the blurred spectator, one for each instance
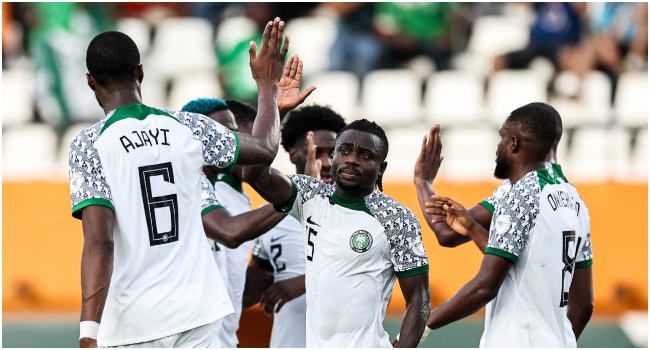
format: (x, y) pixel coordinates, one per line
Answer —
(152, 12)
(356, 49)
(211, 11)
(412, 29)
(620, 33)
(556, 34)
(57, 36)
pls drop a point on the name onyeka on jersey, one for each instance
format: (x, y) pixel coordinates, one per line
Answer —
(559, 199)
(160, 137)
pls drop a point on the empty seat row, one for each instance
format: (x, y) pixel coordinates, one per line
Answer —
(33, 151)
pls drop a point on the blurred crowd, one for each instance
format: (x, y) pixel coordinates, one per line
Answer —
(572, 38)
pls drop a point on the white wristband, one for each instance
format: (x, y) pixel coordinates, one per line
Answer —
(88, 329)
(425, 334)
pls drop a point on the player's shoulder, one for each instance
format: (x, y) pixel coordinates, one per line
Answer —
(389, 212)
(311, 187)
(87, 137)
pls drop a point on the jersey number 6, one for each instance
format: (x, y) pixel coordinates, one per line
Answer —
(155, 205)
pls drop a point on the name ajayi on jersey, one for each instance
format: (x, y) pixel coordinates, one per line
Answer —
(144, 139)
(562, 199)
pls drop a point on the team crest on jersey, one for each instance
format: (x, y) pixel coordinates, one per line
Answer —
(361, 241)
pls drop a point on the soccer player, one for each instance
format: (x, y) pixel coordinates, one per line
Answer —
(580, 306)
(135, 184)
(308, 135)
(534, 241)
(358, 242)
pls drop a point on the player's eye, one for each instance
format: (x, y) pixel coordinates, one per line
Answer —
(365, 155)
(344, 151)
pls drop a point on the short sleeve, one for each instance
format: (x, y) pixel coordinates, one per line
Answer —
(405, 241)
(88, 184)
(585, 256)
(304, 188)
(220, 146)
(514, 218)
(209, 199)
(490, 202)
(259, 253)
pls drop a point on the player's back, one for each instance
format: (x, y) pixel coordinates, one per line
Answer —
(536, 225)
(147, 164)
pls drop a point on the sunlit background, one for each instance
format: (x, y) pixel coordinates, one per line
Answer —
(406, 66)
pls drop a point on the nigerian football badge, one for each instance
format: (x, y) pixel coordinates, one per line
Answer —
(361, 241)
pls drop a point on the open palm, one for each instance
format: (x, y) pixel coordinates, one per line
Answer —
(450, 212)
(289, 95)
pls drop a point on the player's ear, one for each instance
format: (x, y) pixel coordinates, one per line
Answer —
(514, 144)
(382, 167)
(140, 73)
(91, 81)
(293, 155)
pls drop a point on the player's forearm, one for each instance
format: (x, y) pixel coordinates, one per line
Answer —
(257, 281)
(446, 236)
(266, 128)
(250, 225)
(479, 235)
(415, 319)
(579, 316)
(581, 300)
(271, 184)
(467, 301)
(96, 272)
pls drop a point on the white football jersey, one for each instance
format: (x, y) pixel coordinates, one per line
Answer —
(355, 250)
(230, 194)
(145, 164)
(536, 225)
(284, 248)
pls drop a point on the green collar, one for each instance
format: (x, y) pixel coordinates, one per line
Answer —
(134, 110)
(557, 170)
(232, 182)
(351, 203)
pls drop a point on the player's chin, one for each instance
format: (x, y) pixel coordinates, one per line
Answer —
(348, 184)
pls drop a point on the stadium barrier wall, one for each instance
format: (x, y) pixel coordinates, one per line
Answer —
(42, 244)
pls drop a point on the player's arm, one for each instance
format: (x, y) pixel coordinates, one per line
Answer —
(96, 264)
(232, 231)
(259, 277)
(282, 292)
(261, 147)
(271, 184)
(289, 95)
(475, 294)
(581, 300)
(415, 290)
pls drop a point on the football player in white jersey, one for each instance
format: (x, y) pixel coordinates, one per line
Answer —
(581, 298)
(308, 135)
(358, 241)
(535, 239)
(135, 184)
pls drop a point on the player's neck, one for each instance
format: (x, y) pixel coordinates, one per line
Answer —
(361, 193)
(520, 170)
(551, 156)
(119, 98)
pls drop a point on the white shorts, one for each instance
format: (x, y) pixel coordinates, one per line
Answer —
(206, 336)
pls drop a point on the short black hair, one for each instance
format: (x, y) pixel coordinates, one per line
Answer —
(244, 113)
(558, 119)
(538, 123)
(112, 58)
(372, 128)
(309, 118)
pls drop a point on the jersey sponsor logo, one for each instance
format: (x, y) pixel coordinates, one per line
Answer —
(311, 222)
(502, 223)
(361, 241)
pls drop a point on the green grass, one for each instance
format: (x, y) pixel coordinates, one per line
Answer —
(465, 334)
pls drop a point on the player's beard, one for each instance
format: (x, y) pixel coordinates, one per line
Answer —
(501, 170)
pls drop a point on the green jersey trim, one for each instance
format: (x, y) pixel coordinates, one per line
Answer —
(557, 169)
(234, 161)
(136, 111)
(232, 182)
(501, 253)
(289, 206)
(545, 178)
(488, 206)
(416, 271)
(583, 264)
(351, 203)
(76, 210)
(211, 208)
(260, 260)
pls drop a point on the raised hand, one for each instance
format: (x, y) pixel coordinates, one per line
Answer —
(428, 163)
(281, 293)
(313, 165)
(289, 95)
(266, 65)
(451, 212)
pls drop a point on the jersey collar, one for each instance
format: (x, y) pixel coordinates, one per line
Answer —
(351, 203)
